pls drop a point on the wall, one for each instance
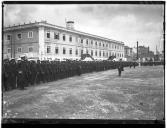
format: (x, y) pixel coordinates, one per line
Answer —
(24, 42)
(111, 49)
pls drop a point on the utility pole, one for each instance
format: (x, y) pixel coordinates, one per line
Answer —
(11, 46)
(137, 51)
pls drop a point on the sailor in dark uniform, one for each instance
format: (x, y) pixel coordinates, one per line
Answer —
(120, 68)
(21, 75)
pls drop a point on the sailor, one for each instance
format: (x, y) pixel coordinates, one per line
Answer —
(120, 68)
(21, 74)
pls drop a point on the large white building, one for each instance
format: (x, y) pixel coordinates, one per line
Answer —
(48, 41)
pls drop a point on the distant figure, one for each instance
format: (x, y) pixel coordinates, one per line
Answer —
(79, 68)
(130, 65)
(120, 68)
(134, 65)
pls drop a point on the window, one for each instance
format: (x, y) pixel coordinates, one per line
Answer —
(70, 51)
(30, 49)
(103, 45)
(9, 50)
(87, 52)
(76, 52)
(19, 36)
(81, 40)
(64, 37)
(99, 44)
(8, 37)
(81, 52)
(91, 42)
(56, 50)
(87, 41)
(70, 38)
(64, 51)
(48, 49)
(96, 43)
(96, 53)
(30, 34)
(48, 34)
(115, 46)
(19, 49)
(103, 54)
(106, 45)
(56, 35)
(99, 53)
(107, 54)
(91, 52)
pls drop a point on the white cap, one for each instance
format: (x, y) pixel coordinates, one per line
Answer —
(19, 59)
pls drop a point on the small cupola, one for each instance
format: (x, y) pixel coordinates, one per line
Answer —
(70, 25)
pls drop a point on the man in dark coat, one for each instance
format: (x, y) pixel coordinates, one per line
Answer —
(120, 68)
(79, 69)
(5, 75)
(134, 64)
(21, 75)
(12, 74)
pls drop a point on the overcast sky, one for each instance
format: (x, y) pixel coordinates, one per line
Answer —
(127, 23)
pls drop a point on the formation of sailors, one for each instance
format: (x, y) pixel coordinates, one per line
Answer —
(24, 73)
(155, 63)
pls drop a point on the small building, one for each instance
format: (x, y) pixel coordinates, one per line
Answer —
(49, 42)
(145, 54)
(128, 53)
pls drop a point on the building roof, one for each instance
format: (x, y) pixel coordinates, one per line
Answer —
(127, 47)
(45, 24)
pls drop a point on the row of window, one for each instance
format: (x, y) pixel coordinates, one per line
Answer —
(56, 36)
(77, 52)
(19, 49)
(19, 36)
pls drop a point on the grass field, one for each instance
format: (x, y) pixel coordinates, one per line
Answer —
(137, 94)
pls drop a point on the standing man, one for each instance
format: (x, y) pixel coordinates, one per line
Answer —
(130, 64)
(21, 75)
(134, 64)
(120, 68)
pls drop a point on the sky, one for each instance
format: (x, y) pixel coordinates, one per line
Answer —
(127, 23)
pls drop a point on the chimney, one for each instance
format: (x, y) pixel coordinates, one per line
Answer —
(70, 25)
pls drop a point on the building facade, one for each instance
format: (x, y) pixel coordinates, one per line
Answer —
(128, 53)
(144, 54)
(47, 41)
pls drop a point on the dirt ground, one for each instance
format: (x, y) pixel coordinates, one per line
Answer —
(137, 94)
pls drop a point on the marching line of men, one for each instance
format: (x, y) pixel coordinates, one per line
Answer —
(152, 63)
(28, 73)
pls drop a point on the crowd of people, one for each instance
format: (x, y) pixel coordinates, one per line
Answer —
(152, 63)
(24, 73)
